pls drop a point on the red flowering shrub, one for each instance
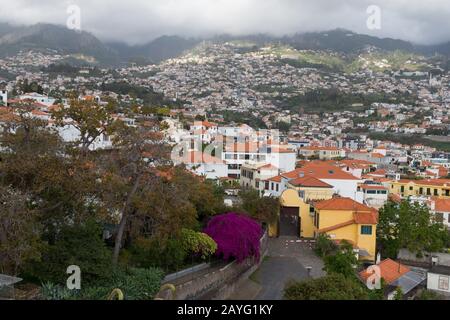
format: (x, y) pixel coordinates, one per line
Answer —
(237, 236)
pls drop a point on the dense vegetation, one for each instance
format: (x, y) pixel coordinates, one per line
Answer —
(329, 100)
(118, 214)
(410, 226)
(411, 140)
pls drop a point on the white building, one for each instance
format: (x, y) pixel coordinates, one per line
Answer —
(4, 97)
(438, 279)
(253, 175)
(203, 164)
(45, 100)
(373, 195)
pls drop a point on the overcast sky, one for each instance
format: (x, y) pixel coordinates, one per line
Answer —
(138, 21)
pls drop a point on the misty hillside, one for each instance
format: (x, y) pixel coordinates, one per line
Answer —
(47, 37)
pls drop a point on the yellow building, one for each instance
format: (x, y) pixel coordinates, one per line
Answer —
(310, 188)
(346, 219)
(339, 218)
(295, 218)
(430, 187)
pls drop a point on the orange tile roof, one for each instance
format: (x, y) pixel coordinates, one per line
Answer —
(342, 204)
(366, 217)
(379, 172)
(442, 205)
(320, 171)
(390, 271)
(276, 179)
(309, 182)
(377, 155)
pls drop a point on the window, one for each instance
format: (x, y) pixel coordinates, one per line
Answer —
(278, 187)
(428, 191)
(367, 230)
(371, 192)
(443, 283)
(447, 193)
(402, 189)
(411, 188)
(266, 186)
(421, 191)
(257, 184)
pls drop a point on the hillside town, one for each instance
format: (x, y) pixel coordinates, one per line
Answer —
(336, 147)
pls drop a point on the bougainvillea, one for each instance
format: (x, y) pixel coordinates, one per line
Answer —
(237, 236)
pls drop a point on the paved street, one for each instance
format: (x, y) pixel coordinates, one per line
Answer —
(287, 260)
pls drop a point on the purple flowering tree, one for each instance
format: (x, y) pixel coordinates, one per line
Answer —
(237, 236)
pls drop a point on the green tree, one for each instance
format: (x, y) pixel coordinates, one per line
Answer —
(398, 294)
(331, 287)
(20, 232)
(325, 246)
(92, 121)
(263, 209)
(80, 245)
(410, 226)
(343, 262)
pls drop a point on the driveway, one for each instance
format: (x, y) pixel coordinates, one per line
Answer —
(287, 260)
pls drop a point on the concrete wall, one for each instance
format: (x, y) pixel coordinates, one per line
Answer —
(443, 259)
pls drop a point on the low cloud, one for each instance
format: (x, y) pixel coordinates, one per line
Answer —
(139, 21)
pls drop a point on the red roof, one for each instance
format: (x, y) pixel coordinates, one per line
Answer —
(342, 204)
(320, 171)
(442, 205)
(276, 179)
(309, 182)
(390, 271)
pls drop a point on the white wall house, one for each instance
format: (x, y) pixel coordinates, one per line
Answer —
(203, 164)
(438, 279)
(4, 97)
(45, 100)
(69, 133)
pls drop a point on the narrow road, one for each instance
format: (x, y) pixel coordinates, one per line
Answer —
(288, 260)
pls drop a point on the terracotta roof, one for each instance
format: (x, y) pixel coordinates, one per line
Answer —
(379, 172)
(442, 205)
(366, 217)
(390, 271)
(320, 171)
(309, 182)
(430, 182)
(377, 155)
(342, 204)
(268, 167)
(276, 179)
